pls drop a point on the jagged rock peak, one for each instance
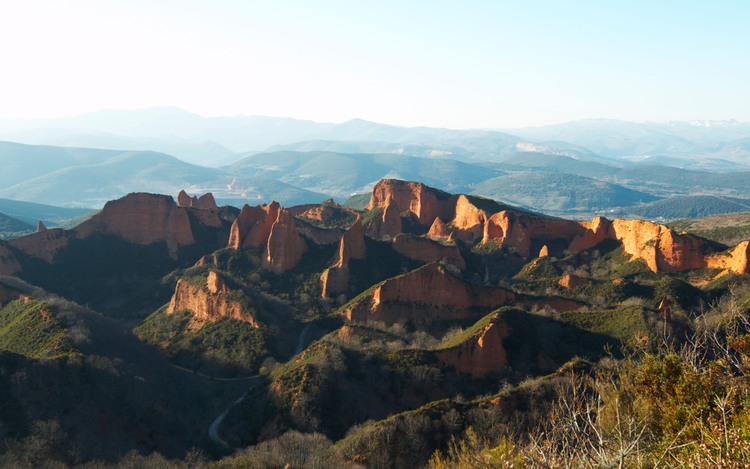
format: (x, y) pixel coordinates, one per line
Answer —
(40, 226)
(438, 230)
(423, 201)
(253, 225)
(208, 303)
(335, 279)
(285, 246)
(141, 218)
(204, 202)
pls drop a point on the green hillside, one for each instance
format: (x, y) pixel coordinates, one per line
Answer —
(342, 174)
(31, 213)
(689, 207)
(553, 191)
(11, 227)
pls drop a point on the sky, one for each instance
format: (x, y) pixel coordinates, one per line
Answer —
(468, 64)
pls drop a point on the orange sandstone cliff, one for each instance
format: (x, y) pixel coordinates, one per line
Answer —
(204, 202)
(427, 293)
(481, 354)
(335, 279)
(285, 246)
(208, 303)
(427, 250)
(423, 201)
(137, 218)
(386, 224)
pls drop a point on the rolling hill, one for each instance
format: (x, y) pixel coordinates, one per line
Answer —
(556, 192)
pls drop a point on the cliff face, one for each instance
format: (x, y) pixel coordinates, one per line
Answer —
(428, 293)
(572, 281)
(526, 232)
(469, 221)
(208, 303)
(426, 250)
(481, 354)
(387, 224)
(42, 245)
(141, 219)
(423, 201)
(285, 246)
(351, 246)
(137, 218)
(204, 202)
(8, 263)
(253, 226)
(438, 230)
(325, 211)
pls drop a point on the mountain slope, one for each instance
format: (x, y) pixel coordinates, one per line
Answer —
(342, 174)
(10, 227)
(554, 192)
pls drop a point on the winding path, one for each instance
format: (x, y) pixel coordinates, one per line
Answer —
(213, 430)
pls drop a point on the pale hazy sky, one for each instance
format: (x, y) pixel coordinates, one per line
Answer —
(438, 63)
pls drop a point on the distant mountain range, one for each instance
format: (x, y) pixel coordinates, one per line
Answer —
(580, 168)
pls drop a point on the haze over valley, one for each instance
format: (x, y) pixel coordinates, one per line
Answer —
(335, 234)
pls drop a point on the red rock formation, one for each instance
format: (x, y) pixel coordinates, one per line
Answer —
(469, 222)
(141, 219)
(426, 250)
(184, 200)
(423, 201)
(387, 225)
(8, 263)
(735, 260)
(520, 230)
(544, 252)
(438, 230)
(481, 354)
(572, 281)
(40, 226)
(208, 303)
(324, 211)
(205, 202)
(596, 231)
(285, 246)
(351, 246)
(43, 244)
(253, 226)
(428, 293)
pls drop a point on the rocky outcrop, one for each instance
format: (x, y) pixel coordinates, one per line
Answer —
(141, 219)
(9, 265)
(42, 245)
(597, 230)
(386, 224)
(325, 211)
(734, 260)
(426, 294)
(544, 252)
(469, 222)
(209, 302)
(426, 250)
(40, 226)
(204, 202)
(481, 354)
(253, 226)
(527, 233)
(285, 246)
(424, 202)
(335, 279)
(572, 281)
(438, 230)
